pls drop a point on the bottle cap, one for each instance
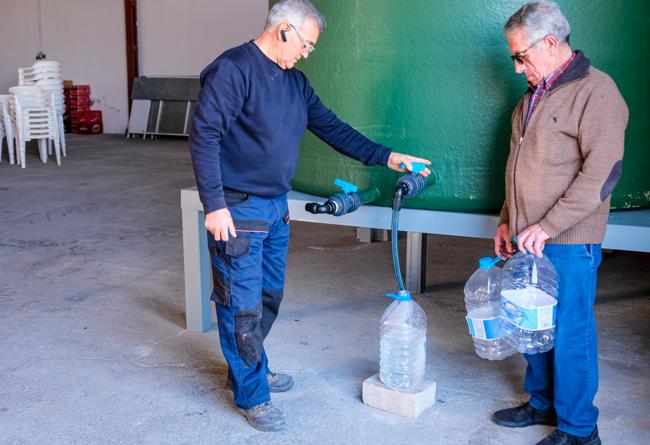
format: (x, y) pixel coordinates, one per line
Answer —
(488, 262)
(402, 295)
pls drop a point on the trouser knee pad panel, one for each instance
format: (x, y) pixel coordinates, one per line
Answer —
(272, 299)
(248, 334)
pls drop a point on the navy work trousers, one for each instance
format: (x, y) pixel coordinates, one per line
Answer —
(248, 273)
(566, 377)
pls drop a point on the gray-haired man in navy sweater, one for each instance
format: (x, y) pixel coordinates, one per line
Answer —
(253, 110)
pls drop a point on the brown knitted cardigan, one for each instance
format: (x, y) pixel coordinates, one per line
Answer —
(563, 167)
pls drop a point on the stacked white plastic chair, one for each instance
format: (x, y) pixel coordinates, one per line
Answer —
(47, 75)
(33, 114)
(6, 127)
(2, 133)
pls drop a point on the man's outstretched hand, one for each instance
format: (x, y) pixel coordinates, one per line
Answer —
(395, 159)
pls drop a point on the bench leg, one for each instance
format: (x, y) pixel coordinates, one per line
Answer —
(366, 235)
(416, 262)
(198, 284)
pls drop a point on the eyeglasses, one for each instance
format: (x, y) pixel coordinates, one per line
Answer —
(308, 46)
(519, 57)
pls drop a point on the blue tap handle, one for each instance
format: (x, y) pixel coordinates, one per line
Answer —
(417, 166)
(347, 187)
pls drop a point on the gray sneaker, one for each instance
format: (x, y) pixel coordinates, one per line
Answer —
(279, 382)
(264, 417)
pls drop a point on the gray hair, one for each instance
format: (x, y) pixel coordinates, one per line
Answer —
(538, 20)
(295, 12)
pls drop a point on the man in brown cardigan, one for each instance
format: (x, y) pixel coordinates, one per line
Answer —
(566, 154)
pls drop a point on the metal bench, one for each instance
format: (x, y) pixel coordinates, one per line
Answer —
(627, 230)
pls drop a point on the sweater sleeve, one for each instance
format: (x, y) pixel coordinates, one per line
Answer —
(220, 101)
(339, 135)
(601, 137)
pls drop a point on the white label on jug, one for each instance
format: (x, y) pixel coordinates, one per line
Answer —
(484, 329)
(530, 308)
(545, 317)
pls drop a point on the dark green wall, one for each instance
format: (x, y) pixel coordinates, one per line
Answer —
(433, 78)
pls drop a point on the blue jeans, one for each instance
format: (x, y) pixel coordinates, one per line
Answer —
(566, 377)
(248, 274)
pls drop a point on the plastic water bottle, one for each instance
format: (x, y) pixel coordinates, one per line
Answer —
(529, 289)
(403, 342)
(482, 292)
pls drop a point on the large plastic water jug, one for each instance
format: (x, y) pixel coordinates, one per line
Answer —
(482, 292)
(529, 289)
(403, 340)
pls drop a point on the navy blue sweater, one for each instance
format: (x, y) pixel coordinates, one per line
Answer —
(248, 124)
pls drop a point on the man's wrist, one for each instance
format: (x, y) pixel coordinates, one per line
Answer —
(213, 204)
(547, 228)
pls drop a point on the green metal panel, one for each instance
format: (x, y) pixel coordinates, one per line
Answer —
(434, 79)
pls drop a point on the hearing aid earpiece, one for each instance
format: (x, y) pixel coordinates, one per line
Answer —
(283, 35)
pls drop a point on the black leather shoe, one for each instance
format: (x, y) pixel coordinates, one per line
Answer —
(524, 415)
(558, 437)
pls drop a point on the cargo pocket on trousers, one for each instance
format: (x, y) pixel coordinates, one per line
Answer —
(248, 335)
(220, 289)
(237, 247)
(234, 248)
(236, 257)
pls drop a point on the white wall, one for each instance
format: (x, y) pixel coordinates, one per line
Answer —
(19, 40)
(176, 37)
(180, 37)
(87, 37)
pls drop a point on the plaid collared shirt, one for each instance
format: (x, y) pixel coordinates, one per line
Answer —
(544, 86)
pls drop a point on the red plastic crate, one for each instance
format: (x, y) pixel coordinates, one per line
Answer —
(78, 89)
(87, 122)
(77, 108)
(90, 114)
(76, 97)
(78, 101)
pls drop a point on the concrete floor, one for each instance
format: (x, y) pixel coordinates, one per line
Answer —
(93, 348)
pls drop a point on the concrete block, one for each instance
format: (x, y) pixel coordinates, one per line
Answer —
(405, 404)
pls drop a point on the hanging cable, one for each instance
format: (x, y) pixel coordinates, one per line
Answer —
(408, 186)
(41, 38)
(395, 251)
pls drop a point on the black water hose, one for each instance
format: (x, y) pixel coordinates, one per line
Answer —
(407, 186)
(394, 234)
(316, 208)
